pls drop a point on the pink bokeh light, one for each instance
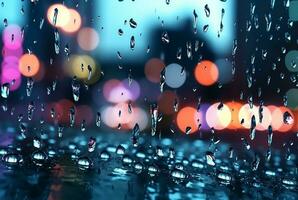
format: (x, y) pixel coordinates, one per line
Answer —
(133, 88)
(114, 91)
(8, 75)
(12, 37)
(6, 52)
(10, 61)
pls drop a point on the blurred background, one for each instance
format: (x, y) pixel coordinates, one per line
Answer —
(205, 66)
(148, 99)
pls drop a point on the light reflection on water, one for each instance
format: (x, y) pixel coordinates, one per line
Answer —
(153, 178)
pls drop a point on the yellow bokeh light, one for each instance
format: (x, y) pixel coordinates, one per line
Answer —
(74, 22)
(246, 113)
(78, 66)
(62, 16)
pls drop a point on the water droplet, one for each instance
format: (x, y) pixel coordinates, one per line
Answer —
(132, 42)
(132, 23)
(39, 157)
(84, 163)
(152, 170)
(72, 116)
(120, 150)
(270, 135)
(5, 90)
(224, 178)
(12, 159)
(29, 87)
(287, 118)
(178, 175)
(165, 37)
(138, 167)
(104, 155)
(98, 119)
(256, 162)
(210, 159)
(126, 160)
(120, 32)
(207, 10)
(75, 89)
(37, 143)
(253, 124)
(91, 144)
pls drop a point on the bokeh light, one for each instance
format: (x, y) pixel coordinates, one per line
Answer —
(74, 22)
(175, 75)
(234, 108)
(206, 73)
(6, 52)
(266, 120)
(291, 61)
(10, 60)
(62, 17)
(115, 92)
(53, 106)
(166, 102)
(277, 114)
(12, 76)
(12, 37)
(140, 117)
(112, 118)
(218, 118)
(29, 65)
(277, 117)
(133, 87)
(292, 95)
(188, 117)
(202, 117)
(246, 113)
(65, 104)
(153, 67)
(84, 112)
(88, 39)
(225, 69)
(295, 125)
(78, 66)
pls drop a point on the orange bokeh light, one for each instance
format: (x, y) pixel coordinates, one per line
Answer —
(234, 107)
(29, 65)
(266, 121)
(153, 68)
(277, 118)
(74, 23)
(188, 117)
(206, 73)
(295, 126)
